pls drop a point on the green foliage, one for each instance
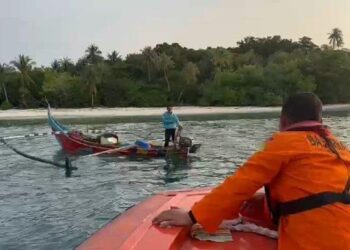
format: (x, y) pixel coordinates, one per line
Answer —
(114, 57)
(6, 105)
(153, 97)
(266, 46)
(331, 70)
(215, 95)
(64, 90)
(221, 58)
(306, 43)
(24, 65)
(259, 71)
(118, 92)
(93, 54)
(163, 64)
(148, 58)
(284, 76)
(336, 38)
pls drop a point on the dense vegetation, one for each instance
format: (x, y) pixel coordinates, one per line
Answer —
(258, 71)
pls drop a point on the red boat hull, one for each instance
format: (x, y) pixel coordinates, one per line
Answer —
(73, 143)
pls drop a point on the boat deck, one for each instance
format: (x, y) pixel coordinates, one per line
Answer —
(134, 230)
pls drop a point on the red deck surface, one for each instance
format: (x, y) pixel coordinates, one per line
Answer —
(134, 230)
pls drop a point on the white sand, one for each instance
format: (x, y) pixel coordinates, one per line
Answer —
(29, 114)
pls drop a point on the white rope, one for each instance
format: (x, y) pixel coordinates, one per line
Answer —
(241, 226)
(223, 234)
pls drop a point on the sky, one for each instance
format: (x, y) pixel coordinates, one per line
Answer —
(52, 29)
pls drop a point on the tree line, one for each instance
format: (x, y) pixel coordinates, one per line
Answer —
(258, 71)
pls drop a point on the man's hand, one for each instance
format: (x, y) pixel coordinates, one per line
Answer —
(173, 217)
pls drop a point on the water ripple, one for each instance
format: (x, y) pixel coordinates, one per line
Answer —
(41, 209)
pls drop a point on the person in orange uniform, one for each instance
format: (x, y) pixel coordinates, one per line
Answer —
(305, 170)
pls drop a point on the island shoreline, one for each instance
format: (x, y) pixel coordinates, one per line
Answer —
(18, 115)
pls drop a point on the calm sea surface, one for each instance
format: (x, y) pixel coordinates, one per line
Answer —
(42, 209)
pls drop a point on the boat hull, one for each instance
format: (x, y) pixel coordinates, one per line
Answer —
(134, 230)
(75, 143)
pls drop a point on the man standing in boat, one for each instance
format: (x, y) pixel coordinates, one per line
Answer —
(306, 173)
(171, 123)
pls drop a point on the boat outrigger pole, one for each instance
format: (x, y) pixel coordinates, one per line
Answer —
(67, 166)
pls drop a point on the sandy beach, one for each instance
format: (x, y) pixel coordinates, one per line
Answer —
(40, 114)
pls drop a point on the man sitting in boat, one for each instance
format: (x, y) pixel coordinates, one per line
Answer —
(171, 123)
(305, 170)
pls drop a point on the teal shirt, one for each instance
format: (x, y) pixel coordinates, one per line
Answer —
(170, 120)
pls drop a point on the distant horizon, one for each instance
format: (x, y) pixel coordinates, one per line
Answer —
(46, 29)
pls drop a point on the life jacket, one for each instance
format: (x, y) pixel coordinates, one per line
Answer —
(315, 200)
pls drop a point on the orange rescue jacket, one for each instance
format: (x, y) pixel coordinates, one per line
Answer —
(295, 164)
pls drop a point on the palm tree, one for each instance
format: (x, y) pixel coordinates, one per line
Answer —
(93, 54)
(92, 76)
(190, 72)
(114, 57)
(2, 80)
(66, 64)
(164, 63)
(81, 64)
(336, 38)
(89, 77)
(24, 65)
(149, 55)
(56, 65)
(221, 58)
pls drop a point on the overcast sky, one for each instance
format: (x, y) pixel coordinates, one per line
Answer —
(50, 29)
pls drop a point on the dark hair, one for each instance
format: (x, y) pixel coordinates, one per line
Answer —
(304, 106)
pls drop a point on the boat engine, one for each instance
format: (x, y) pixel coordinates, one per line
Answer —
(185, 142)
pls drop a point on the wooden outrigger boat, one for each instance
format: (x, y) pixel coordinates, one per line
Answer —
(75, 142)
